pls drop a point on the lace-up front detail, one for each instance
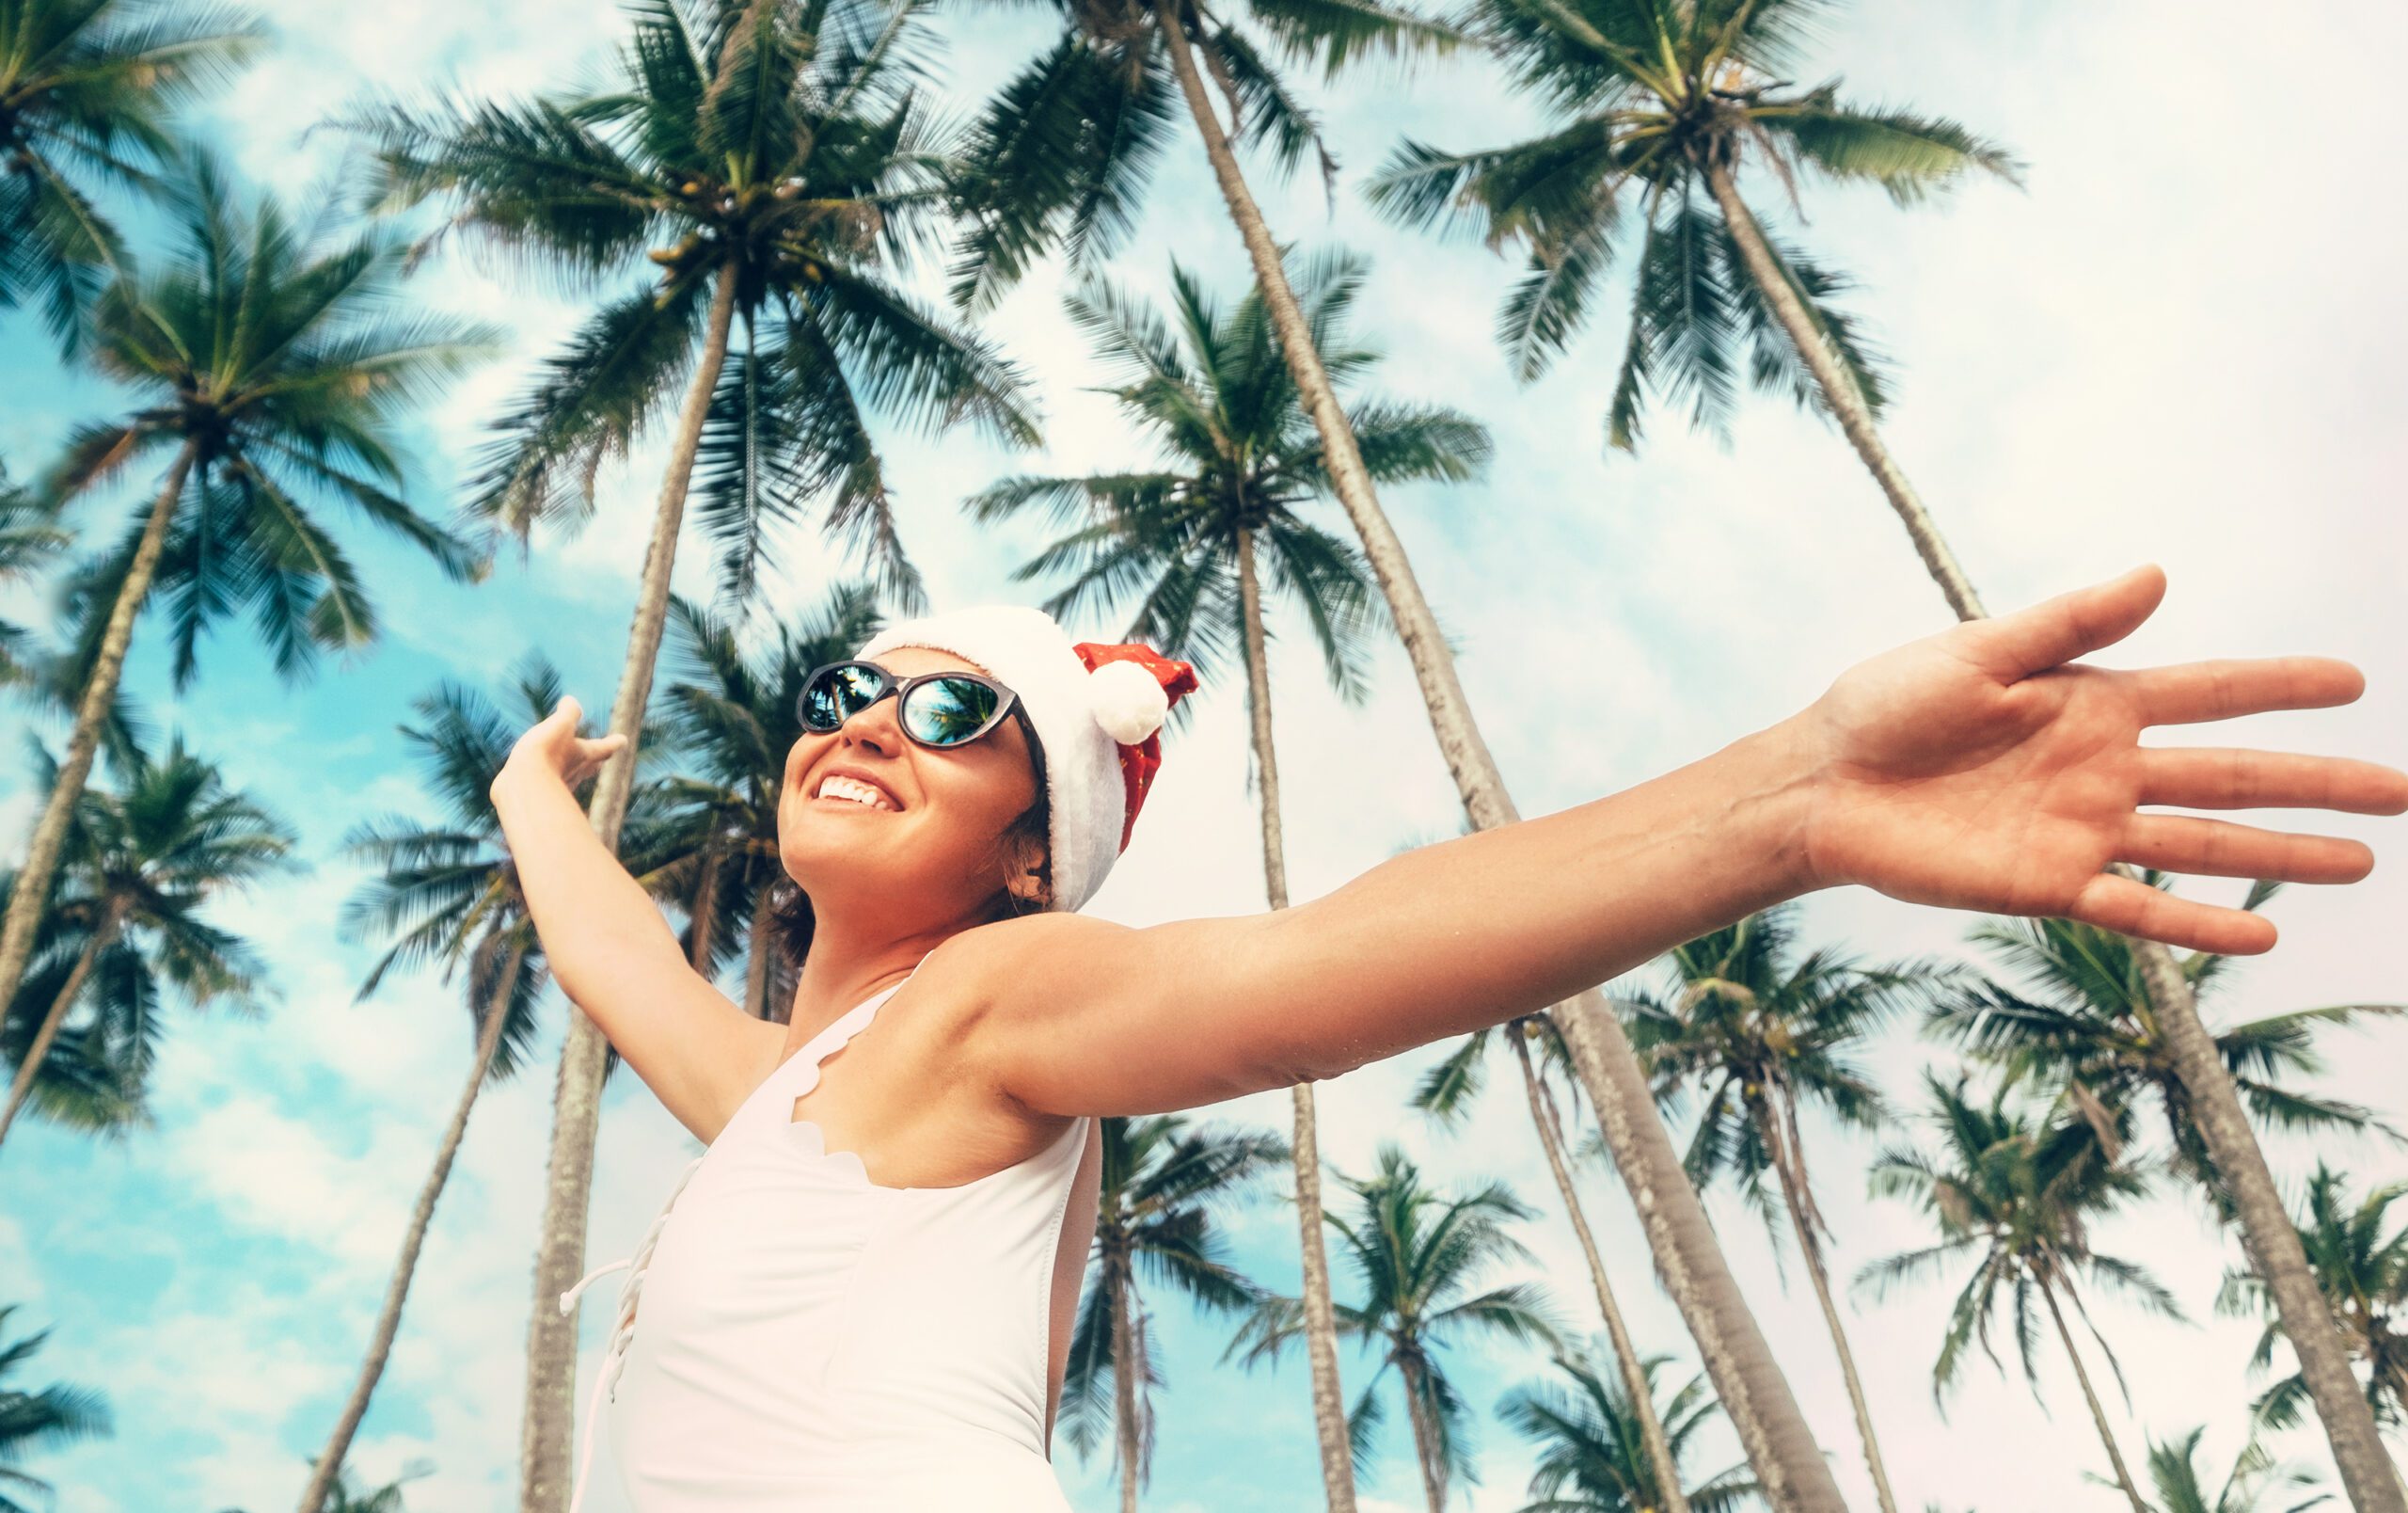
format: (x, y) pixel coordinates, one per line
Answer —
(794, 1338)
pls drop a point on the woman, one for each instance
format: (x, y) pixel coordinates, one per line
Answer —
(859, 1297)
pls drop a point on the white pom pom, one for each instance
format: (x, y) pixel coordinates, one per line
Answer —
(1128, 702)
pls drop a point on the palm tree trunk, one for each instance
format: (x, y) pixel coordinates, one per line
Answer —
(2098, 1413)
(577, 1098)
(2266, 1233)
(389, 1319)
(1126, 1371)
(1320, 1323)
(33, 879)
(1840, 392)
(757, 950)
(785, 981)
(1779, 1445)
(704, 913)
(1425, 1437)
(1789, 1160)
(2269, 1239)
(1634, 1377)
(27, 1070)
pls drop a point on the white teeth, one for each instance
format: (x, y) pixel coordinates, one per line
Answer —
(836, 785)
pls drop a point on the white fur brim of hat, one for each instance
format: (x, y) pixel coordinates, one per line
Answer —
(1070, 708)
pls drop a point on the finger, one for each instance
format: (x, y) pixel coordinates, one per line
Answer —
(2130, 908)
(2227, 687)
(567, 711)
(2057, 630)
(2218, 847)
(2228, 777)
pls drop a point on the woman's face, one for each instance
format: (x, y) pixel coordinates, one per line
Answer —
(866, 812)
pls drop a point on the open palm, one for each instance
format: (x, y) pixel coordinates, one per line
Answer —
(1984, 767)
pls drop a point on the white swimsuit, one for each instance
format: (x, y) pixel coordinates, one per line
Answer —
(813, 1343)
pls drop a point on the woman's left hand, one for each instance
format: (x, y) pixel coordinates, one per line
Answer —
(1983, 768)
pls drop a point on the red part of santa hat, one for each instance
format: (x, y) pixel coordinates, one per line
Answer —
(1128, 705)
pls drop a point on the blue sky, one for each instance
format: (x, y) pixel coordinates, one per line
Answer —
(2177, 343)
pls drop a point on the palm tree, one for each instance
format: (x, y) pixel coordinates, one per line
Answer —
(446, 894)
(1217, 403)
(30, 537)
(139, 869)
(1665, 106)
(714, 851)
(95, 1075)
(276, 372)
(2364, 1275)
(770, 160)
(40, 1419)
(1163, 1181)
(1418, 1253)
(2017, 1197)
(2255, 1484)
(1065, 152)
(1756, 1030)
(350, 1498)
(1593, 1452)
(2083, 1020)
(1445, 1093)
(1667, 101)
(86, 88)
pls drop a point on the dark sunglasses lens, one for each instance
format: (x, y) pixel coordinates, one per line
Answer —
(946, 711)
(839, 693)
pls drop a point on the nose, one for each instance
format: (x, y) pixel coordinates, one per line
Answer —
(874, 727)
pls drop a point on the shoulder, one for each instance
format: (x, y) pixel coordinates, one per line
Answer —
(1000, 982)
(979, 967)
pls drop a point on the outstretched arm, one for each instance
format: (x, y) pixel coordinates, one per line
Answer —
(607, 944)
(1982, 767)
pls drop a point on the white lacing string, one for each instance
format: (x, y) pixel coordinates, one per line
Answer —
(622, 1330)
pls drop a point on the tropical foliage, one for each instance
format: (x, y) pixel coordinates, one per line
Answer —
(764, 167)
(710, 847)
(2074, 1018)
(1422, 1259)
(1592, 1454)
(1756, 1030)
(2018, 1197)
(87, 88)
(128, 923)
(37, 1418)
(763, 208)
(2363, 1273)
(1165, 1181)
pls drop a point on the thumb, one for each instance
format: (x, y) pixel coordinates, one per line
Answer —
(2056, 631)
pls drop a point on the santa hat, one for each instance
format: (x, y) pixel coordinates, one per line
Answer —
(1097, 710)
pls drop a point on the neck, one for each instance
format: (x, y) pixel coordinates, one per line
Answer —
(854, 956)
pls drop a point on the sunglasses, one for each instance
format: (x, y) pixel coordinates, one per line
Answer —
(934, 710)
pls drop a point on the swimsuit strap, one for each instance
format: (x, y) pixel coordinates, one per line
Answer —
(772, 1101)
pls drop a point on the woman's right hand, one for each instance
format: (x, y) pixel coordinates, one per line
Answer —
(551, 747)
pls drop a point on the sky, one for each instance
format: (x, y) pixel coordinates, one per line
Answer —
(2175, 343)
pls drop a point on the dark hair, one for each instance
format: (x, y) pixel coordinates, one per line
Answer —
(791, 922)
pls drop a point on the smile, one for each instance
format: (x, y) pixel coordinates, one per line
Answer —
(843, 790)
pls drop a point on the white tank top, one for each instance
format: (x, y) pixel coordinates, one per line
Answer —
(811, 1343)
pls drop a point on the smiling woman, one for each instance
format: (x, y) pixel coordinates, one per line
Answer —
(860, 1295)
(842, 1290)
